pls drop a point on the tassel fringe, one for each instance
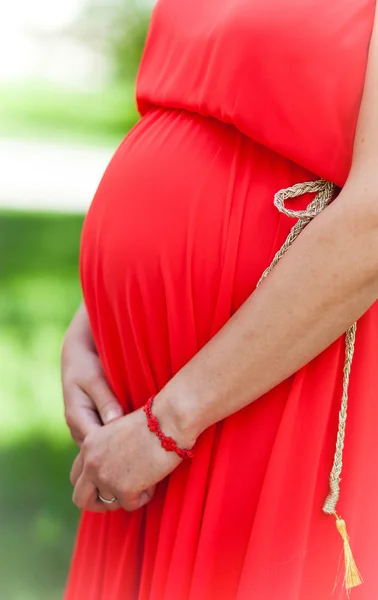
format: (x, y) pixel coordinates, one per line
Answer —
(352, 575)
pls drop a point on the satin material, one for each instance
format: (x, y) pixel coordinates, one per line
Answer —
(178, 234)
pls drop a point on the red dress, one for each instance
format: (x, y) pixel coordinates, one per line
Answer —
(239, 99)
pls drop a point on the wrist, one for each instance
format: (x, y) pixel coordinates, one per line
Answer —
(176, 413)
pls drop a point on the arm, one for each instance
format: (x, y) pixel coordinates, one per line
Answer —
(326, 281)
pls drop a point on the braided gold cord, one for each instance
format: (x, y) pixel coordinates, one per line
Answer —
(335, 476)
(324, 196)
(325, 193)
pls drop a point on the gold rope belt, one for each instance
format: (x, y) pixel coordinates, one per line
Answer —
(325, 193)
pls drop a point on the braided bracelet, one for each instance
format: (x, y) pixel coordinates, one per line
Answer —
(167, 442)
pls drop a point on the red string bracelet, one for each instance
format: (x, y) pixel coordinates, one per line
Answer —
(167, 442)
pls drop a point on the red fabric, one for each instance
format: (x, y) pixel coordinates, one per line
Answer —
(179, 232)
(289, 74)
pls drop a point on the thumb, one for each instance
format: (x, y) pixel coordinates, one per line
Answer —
(80, 413)
(106, 403)
(146, 496)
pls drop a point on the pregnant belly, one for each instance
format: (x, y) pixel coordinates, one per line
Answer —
(179, 231)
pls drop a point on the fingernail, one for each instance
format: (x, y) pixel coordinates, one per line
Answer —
(144, 498)
(113, 414)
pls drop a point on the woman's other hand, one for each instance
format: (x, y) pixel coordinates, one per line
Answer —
(89, 402)
(123, 460)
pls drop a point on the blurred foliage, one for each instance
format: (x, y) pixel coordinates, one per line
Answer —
(115, 28)
(39, 293)
(38, 520)
(130, 30)
(118, 28)
(96, 117)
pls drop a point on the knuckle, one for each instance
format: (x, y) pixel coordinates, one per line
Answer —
(92, 460)
(90, 455)
(123, 491)
(89, 444)
(104, 477)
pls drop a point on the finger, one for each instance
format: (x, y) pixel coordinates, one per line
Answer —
(105, 401)
(131, 503)
(146, 496)
(79, 436)
(76, 470)
(85, 495)
(80, 414)
(150, 492)
(107, 494)
(78, 440)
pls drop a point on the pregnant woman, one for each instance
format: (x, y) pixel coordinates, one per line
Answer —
(204, 468)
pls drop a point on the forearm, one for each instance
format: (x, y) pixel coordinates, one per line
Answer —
(327, 280)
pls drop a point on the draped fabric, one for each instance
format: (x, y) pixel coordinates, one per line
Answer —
(238, 99)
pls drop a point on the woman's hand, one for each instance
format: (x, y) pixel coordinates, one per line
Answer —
(88, 400)
(123, 460)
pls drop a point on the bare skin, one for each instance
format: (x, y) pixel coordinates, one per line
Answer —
(325, 282)
(88, 401)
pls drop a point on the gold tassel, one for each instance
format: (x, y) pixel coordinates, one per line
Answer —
(352, 574)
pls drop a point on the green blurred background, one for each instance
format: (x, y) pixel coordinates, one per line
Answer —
(66, 101)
